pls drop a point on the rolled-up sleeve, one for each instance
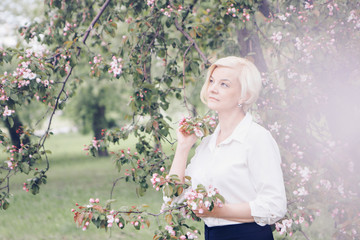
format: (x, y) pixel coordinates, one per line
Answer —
(265, 171)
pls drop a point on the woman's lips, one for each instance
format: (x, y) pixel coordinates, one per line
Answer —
(214, 99)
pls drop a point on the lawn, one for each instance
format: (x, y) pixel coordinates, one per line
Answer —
(75, 178)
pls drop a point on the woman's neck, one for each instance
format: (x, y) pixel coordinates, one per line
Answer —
(228, 122)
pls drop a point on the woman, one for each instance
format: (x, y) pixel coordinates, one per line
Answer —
(241, 159)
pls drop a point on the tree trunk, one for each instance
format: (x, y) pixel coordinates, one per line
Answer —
(250, 43)
(15, 131)
(99, 123)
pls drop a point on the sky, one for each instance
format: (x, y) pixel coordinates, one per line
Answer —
(13, 14)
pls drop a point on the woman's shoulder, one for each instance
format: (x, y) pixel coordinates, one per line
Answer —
(257, 133)
(205, 141)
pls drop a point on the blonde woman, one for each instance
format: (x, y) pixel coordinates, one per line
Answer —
(241, 158)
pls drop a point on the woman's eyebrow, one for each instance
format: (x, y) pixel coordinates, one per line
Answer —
(223, 79)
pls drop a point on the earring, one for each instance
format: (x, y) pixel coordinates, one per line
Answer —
(239, 105)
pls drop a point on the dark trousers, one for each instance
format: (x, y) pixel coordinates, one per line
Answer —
(243, 231)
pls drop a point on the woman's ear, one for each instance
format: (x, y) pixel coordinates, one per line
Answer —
(244, 100)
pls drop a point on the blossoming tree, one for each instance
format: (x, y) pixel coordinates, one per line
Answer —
(161, 47)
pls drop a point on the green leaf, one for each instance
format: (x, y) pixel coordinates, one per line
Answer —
(140, 191)
(5, 205)
(222, 199)
(114, 25)
(24, 167)
(68, 44)
(168, 190)
(35, 189)
(11, 121)
(14, 97)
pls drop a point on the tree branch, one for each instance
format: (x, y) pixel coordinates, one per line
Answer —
(45, 135)
(307, 238)
(113, 186)
(184, 66)
(202, 55)
(92, 24)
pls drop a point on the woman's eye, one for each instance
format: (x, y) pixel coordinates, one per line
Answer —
(211, 81)
(224, 85)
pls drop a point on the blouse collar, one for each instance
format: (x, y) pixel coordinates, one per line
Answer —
(238, 134)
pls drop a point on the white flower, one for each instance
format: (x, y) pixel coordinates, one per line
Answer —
(110, 218)
(7, 111)
(282, 17)
(276, 37)
(198, 132)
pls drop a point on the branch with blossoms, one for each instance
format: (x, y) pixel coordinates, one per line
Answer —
(151, 164)
(174, 215)
(149, 160)
(31, 79)
(200, 126)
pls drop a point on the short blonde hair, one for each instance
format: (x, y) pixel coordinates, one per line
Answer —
(249, 78)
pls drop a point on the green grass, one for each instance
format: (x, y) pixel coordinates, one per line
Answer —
(74, 177)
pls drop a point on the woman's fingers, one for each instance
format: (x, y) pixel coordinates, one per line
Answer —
(186, 139)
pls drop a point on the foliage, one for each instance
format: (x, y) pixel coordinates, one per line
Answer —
(166, 46)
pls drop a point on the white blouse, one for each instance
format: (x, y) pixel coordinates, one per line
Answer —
(245, 167)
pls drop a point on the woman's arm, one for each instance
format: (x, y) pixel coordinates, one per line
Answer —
(238, 212)
(185, 142)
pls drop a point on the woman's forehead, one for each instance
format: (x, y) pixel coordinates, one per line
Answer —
(224, 73)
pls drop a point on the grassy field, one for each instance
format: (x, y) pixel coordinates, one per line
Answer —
(74, 177)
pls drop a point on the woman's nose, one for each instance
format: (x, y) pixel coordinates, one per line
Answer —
(213, 88)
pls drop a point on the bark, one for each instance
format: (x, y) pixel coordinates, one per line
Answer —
(99, 123)
(264, 8)
(15, 131)
(250, 47)
(249, 41)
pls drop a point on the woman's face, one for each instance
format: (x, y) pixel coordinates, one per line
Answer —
(224, 90)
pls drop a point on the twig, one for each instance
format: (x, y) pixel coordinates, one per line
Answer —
(202, 55)
(184, 65)
(43, 138)
(45, 135)
(114, 183)
(189, 10)
(305, 236)
(92, 24)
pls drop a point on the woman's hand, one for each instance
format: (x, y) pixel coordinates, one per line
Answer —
(238, 212)
(202, 212)
(185, 141)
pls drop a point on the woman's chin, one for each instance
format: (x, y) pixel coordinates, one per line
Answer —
(212, 106)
